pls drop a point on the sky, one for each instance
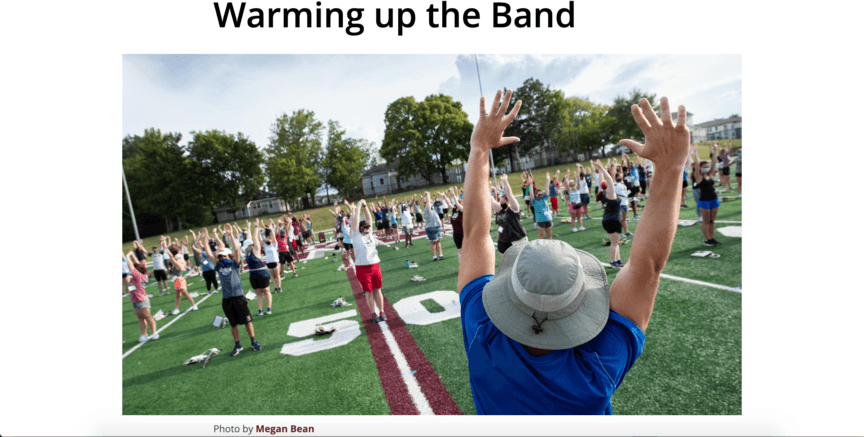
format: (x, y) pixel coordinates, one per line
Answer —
(246, 93)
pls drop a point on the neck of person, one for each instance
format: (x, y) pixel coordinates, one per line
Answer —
(536, 351)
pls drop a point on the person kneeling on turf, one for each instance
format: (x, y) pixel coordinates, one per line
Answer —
(546, 334)
(233, 300)
(366, 260)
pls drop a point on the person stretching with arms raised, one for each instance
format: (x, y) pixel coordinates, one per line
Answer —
(536, 333)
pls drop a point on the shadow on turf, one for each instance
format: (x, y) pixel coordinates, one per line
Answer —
(217, 360)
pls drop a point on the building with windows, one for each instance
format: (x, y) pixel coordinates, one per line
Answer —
(262, 203)
(383, 179)
(698, 133)
(722, 129)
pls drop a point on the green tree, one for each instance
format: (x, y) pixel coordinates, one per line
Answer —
(225, 167)
(540, 118)
(161, 178)
(344, 160)
(426, 137)
(294, 155)
(623, 125)
(588, 127)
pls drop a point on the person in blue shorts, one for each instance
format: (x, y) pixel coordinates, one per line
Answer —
(434, 228)
(546, 334)
(703, 180)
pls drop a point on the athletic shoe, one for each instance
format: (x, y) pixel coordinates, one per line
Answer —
(684, 206)
(587, 217)
(175, 312)
(581, 228)
(575, 230)
(620, 264)
(614, 265)
(441, 257)
(268, 312)
(710, 243)
(295, 275)
(260, 313)
(628, 234)
(699, 220)
(194, 307)
(142, 339)
(636, 216)
(715, 242)
(154, 336)
(739, 196)
(412, 244)
(256, 346)
(236, 350)
(382, 318)
(375, 318)
(434, 258)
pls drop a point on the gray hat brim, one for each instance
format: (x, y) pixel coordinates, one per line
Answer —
(566, 328)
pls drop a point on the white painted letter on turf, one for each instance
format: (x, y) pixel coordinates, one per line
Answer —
(346, 330)
(414, 313)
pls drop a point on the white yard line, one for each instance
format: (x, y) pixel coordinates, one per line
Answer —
(693, 281)
(417, 395)
(166, 325)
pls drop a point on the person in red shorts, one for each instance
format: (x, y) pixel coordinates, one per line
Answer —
(554, 186)
(366, 260)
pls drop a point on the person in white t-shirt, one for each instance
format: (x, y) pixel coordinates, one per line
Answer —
(271, 253)
(366, 260)
(407, 223)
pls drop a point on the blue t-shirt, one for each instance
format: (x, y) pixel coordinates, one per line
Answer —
(384, 214)
(541, 210)
(206, 265)
(506, 379)
(438, 208)
(346, 233)
(377, 216)
(257, 269)
(553, 190)
(125, 266)
(229, 277)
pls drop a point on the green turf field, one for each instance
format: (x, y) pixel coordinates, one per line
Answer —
(691, 363)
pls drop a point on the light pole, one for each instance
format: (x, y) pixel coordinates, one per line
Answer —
(131, 211)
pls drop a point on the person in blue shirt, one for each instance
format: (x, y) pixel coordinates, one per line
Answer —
(547, 334)
(542, 214)
(259, 274)
(233, 299)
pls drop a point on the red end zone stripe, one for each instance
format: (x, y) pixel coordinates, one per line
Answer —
(394, 388)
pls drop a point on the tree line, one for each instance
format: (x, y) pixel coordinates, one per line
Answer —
(172, 186)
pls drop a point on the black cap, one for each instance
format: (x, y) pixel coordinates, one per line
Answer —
(363, 224)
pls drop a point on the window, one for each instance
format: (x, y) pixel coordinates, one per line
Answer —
(458, 178)
(270, 204)
(382, 181)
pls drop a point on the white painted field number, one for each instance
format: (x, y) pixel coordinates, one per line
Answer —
(409, 309)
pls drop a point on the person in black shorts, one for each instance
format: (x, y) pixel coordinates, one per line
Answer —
(510, 229)
(611, 215)
(385, 217)
(233, 299)
(455, 220)
(259, 275)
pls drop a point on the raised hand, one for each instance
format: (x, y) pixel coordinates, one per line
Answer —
(665, 143)
(504, 177)
(489, 130)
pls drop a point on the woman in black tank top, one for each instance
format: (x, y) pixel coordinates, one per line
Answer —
(611, 215)
(703, 178)
(509, 226)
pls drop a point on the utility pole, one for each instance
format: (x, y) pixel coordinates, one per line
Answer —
(129, 199)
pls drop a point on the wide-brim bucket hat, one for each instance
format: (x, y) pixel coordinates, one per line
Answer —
(548, 295)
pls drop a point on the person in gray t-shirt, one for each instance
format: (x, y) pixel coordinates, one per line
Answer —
(433, 228)
(233, 300)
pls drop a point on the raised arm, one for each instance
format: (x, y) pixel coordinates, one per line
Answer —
(355, 214)
(511, 199)
(235, 245)
(610, 182)
(713, 160)
(633, 292)
(478, 258)
(256, 238)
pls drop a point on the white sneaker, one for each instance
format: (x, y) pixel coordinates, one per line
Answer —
(699, 220)
(575, 230)
(194, 307)
(175, 312)
(581, 228)
(142, 339)
(154, 336)
(739, 196)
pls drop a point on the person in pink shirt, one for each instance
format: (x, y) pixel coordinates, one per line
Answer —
(140, 301)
